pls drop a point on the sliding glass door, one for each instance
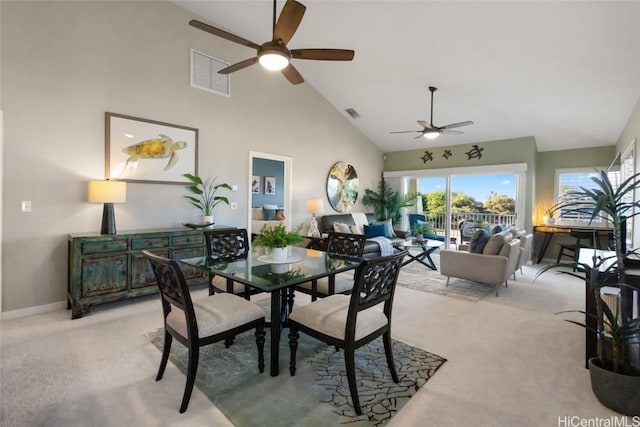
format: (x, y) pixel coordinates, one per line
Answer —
(457, 203)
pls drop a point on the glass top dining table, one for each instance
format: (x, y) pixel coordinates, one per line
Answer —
(259, 271)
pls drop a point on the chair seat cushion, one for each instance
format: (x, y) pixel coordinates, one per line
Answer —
(329, 316)
(343, 284)
(215, 314)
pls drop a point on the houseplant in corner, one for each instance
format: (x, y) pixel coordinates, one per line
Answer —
(386, 202)
(204, 197)
(615, 373)
(276, 238)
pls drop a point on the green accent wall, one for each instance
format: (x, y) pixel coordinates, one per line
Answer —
(549, 161)
(516, 150)
(504, 151)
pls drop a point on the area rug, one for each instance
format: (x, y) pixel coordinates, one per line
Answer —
(317, 395)
(416, 276)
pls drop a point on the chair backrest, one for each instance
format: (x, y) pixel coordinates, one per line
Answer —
(375, 282)
(173, 289)
(346, 244)
(232, 243)
(414, 218)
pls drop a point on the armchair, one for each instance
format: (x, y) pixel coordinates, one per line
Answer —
(493, 266)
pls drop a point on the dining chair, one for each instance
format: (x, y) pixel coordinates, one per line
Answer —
(203, 322)
(228, 244)
(349, 322)
(342, 244)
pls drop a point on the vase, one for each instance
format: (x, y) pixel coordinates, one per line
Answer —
(551, 222)
(279, 254)
(618, 392)
(207, 219)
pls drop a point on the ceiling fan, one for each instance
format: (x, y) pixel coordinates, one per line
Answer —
(273, 54)
(430, 131)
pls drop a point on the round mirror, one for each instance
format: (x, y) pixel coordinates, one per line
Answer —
(342, 187)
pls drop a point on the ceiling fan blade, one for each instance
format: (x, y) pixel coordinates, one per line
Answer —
(221, 33)
(451, 132)
(288, 21)
(239, 66)
(407, 131)
(457, 125)
(419, 136)
(292, 74)
(425, 124)
(323, 54)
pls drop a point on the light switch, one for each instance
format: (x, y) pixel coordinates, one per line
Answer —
(234, 188)
(26, 206)
(233, 206)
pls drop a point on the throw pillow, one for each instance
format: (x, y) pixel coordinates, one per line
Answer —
(495, 243)
(388, 228)
(497, 229)
(478, 241)
(280, 214)
(356, 230)
(269, 214)
(341, 227)
(374, 230)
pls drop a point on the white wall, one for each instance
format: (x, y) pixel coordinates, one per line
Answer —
(65, 63)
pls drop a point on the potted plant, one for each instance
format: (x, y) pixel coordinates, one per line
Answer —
(549, 218)
(615, 373)
(276, 238)
(386, 202)
(421, 228)
(205, 198)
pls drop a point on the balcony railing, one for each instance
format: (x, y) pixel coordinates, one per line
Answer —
(437, 220)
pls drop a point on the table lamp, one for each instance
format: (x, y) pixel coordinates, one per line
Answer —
(108, 192)
(314, 207)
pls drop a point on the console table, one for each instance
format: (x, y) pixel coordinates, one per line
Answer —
(105, 268)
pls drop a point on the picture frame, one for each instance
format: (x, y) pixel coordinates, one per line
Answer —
(627, 170)
(255, 184)
(149, 151)
(270, 185)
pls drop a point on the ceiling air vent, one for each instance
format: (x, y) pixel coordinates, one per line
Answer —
(353, 113)
(204, 74)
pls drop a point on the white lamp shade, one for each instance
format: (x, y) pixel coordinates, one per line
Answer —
(315, 206)
(107, 191)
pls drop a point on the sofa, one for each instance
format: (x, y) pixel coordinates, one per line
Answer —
(493, 265)
(355, 222)
(258, 220)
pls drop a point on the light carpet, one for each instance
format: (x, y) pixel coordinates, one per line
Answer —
(416, 276)
(317, 395)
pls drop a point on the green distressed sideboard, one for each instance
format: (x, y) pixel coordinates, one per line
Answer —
(105, 268)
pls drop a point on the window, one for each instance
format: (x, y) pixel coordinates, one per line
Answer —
(571, 180)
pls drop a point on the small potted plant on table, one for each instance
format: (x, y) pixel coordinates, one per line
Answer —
(276, 238)
(420, 229)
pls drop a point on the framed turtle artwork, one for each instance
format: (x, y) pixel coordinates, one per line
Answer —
(143, 150)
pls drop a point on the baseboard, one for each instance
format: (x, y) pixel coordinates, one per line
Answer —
(30, 311)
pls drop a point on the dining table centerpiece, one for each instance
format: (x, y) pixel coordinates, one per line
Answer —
(276, 239)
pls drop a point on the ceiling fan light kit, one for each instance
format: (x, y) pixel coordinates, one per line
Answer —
(430, 131)
(273, 61)
(274, 55)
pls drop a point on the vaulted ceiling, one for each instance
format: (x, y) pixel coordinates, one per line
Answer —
(567, 73)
